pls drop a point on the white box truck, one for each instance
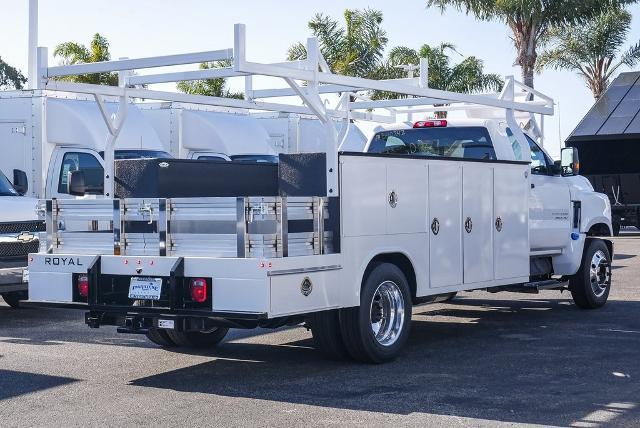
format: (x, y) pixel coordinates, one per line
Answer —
(345, 242)
(194, 132)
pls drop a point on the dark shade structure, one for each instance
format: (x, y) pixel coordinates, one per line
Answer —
(608, 139)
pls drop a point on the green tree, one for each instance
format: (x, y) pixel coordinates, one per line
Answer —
(592, 50)
(76, 53)
(211, 87)
(530, 20)
(10, 77)
(465, 76)
(355, 49)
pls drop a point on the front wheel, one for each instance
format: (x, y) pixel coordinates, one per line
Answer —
(198, 339)
(14, 298)
(591, 284)
(376, 331)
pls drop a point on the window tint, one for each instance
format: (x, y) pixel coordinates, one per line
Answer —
(540, 164)
(255, 158)
(462, 142)
(139, 154)
(6, 189)
(210, 157)
(86, 162)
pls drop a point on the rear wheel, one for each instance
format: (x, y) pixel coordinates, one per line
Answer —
(591, 284)
(198, 339)
(160, 337)
(450, 296)
(376, 331)
(13, 298)
(327, 338)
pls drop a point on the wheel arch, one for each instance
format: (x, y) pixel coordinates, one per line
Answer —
(399, 259)
(599, 229)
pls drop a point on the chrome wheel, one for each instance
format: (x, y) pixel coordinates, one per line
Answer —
(599, 273)
(387, 313)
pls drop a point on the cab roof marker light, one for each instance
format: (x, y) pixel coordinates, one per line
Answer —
(441, 123)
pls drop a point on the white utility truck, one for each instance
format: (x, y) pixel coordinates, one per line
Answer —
(346, 242)
(19, 230)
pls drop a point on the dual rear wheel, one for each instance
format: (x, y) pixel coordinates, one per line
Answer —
(187, 339)
(373, 332)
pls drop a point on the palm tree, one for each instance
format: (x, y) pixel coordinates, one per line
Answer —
(211, 87)
(75, 53)
(466, 76)
(529, 20)
(10, 77)
(592, 50)
(355, 49)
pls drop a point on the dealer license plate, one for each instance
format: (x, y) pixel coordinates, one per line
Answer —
(145, 288)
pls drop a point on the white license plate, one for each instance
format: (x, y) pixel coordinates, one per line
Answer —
(25, 275)
(145, 288)
(167, 324)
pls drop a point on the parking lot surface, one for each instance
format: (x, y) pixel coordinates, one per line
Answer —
(483, 360)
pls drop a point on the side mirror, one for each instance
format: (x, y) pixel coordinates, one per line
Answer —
(570, 162)
(75, 183)
(20, 181)
(556, 168)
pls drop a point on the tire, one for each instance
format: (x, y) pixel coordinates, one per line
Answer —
(616, 228)
(13, 298)
(160, 337)
(450, 297)
(591, 284)
(198, 339)
(384, 287)
(327, 337)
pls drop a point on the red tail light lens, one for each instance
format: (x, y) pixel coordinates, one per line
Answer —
(83, 285)
(198, 287)
(430, 124)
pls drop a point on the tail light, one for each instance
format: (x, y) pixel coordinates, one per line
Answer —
(430, 124)
(198, 288)
(83, 285)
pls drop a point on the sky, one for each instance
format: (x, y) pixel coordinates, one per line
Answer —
(140, 28)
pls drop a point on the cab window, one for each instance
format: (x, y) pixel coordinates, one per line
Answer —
(540, 163)
(86, 162)
(469, 142)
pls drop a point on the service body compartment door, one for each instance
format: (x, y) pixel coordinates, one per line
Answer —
(477, 222)
(444, 222)
(363, 195)
(511, 221)
(406, 196)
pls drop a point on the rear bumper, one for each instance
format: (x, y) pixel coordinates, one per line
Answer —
(240, 288)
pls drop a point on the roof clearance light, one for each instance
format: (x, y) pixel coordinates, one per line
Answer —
(430, 124)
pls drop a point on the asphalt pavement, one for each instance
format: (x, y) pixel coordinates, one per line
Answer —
(482, 360)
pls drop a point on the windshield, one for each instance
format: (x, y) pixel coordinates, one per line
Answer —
(255, 158)
(6, 189)
(468, 142)
(140, 154)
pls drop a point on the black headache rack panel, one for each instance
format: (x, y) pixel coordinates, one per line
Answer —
(294, 175)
